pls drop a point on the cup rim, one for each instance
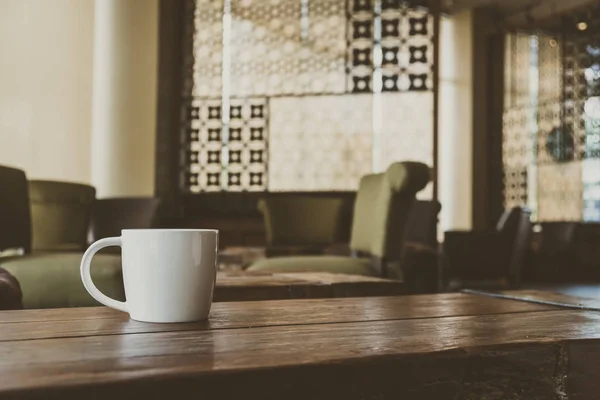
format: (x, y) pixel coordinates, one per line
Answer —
(171, 230)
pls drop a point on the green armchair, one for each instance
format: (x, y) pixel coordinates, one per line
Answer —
(301, 224)
(60, 215)
(381, 213)
(47, 279)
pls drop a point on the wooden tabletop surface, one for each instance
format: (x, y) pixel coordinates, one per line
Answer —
(251, 286)
(444, 346)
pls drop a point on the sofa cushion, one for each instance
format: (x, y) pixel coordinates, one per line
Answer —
(52, 280)
(333, 264)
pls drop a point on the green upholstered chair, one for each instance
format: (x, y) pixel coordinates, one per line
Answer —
(381, 211)
(47, 280)
(301, 224)
(60, 215)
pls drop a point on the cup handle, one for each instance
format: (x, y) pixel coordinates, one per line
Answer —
(87, 279)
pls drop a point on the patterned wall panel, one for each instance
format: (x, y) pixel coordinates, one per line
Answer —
(204, 139)
(275, 53)
(208, 48)
(407, 48)
(517, 71)
(360, 45)
(247, 145)
(293, 73)
(575, 93)
(517, 146)
(320, 142)
(389, 36)
(233, 157)
(549, 137)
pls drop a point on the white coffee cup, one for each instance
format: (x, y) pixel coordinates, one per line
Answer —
(169, 274)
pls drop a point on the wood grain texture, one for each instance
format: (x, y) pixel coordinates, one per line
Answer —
(453, 346)
(553, 298)
(157, 358)
(252, 286)
(99, 321)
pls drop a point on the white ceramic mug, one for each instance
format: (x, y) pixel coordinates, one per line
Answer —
(169, 274)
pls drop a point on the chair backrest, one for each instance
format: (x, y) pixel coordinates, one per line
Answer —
(15, 215)
(382, 208)
(516, 225)
(110, 216)
(60, 215)
(422, 223)
(298, 220)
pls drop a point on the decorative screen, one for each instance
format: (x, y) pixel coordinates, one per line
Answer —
(305, 95)
(552, 125)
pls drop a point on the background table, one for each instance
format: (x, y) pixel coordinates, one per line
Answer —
(416, 347)
(249, 286)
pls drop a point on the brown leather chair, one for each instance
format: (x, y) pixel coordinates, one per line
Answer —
(110, 216)
(489, 259)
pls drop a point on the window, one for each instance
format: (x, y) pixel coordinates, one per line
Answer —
(305, 95)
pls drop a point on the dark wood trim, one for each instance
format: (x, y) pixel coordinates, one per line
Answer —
(170, 88)
(436, 93)
(496, 54)
(481, 92)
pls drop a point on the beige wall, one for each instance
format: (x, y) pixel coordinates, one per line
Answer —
(46, 87)
(75, 73)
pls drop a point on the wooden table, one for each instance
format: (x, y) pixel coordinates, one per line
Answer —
(250, 286)
(451, 346)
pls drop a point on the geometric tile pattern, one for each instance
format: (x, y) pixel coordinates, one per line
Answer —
(247, 145)
(389, 36)
(575, 93)
(515, 186)
(232, 158)
(298, 78)
(551, 136)
(273, 53)
(361, 39)
(518, 144)
(204, 138)
(407, 47)
(320, 142)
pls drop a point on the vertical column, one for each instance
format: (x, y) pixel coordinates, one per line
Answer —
(124, 97)
(455, 175)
